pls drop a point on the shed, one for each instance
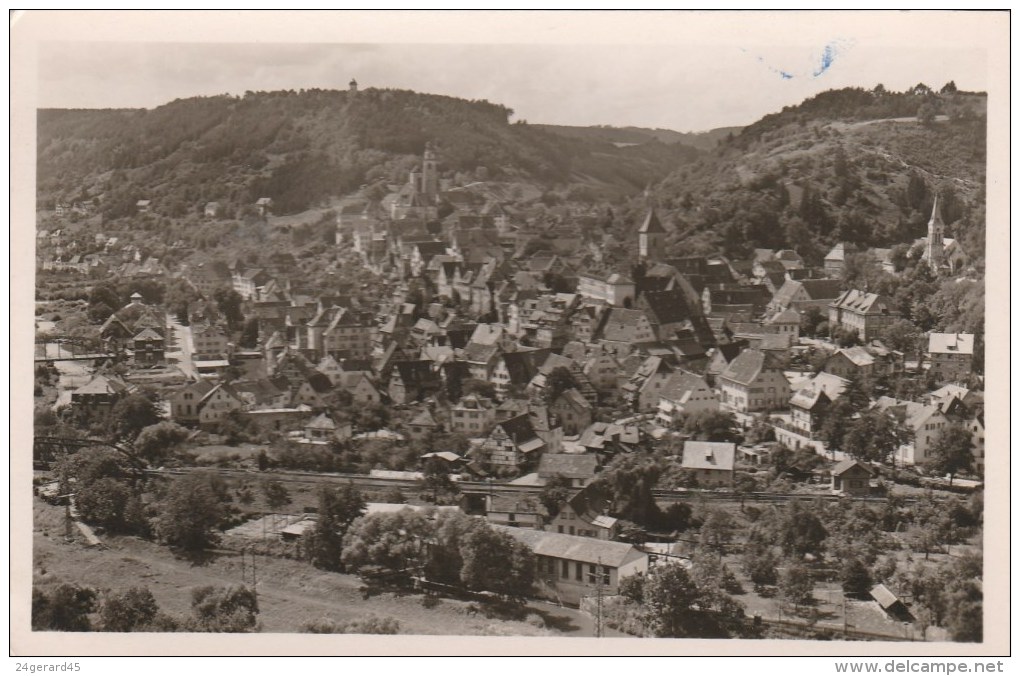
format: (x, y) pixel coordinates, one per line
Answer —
(891, 603)
(851, 478)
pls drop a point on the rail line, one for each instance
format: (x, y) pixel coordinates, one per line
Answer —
(485, 488)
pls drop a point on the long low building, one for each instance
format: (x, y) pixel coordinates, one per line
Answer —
(570, 567)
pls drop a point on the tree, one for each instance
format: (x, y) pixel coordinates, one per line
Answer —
(130, 415)
(800, 532)
(108, 503)
(809, 321)
(964, 611)
(856, 578)
(394, 541)
(837, 422)
(903, 336)
(338, 508)
(276, 493)
(796, 585)
(496, 562)
(760, 565)
(231, 609)
(190, 512)
(712, 426)
(926, 113)
(556, 491)
(717, 529)
(437, 480)
(131, 610)
(155, 442)
(952, 452)
(229, 301)
(262, 459)
(67, 608)
(670, 597)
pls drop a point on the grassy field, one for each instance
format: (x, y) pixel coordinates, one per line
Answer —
(290, 592)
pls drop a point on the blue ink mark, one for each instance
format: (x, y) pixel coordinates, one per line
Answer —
(828, 58)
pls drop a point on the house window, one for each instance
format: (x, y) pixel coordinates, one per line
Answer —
(565, 569)
(579, 571)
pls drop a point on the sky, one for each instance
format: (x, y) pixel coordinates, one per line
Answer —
(674, 70)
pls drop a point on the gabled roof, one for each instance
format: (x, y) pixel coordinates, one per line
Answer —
(847, 464)
(574, 398)
(148, 334)
(709, 455)
(951, 343)
(667, 307)
(100, 384)
(574, 547)
(787, 316)
(424, 419)
(520, 430)
(523, 364)
(748, 365)
(864, 303)
(681, 384)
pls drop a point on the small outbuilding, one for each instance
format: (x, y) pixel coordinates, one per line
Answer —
(851, 477)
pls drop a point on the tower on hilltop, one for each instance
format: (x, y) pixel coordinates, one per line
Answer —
(352, 87)
(429, 173)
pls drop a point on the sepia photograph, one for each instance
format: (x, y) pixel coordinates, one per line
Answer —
(587, 328)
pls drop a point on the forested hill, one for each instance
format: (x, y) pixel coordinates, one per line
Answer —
(302, 147)
(849, 165)
(706, 140)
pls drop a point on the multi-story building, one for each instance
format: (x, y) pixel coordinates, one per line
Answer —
(866, 313)
(951, 356)
(754, 381)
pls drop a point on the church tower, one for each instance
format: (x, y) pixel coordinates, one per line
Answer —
(935, 246)
(651, 237)
(429, 174)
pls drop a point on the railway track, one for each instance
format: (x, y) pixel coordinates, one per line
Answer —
(484, 487)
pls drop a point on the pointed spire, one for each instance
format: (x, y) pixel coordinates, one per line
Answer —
(652, 223)
(936, 216)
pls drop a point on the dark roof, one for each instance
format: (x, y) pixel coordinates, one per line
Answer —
(651, 223)
(524, 364)
(519, 428)
(415, 372)
(818, 289)
(667, 307)
(319, 382)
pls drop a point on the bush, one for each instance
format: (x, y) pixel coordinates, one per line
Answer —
(367, 625)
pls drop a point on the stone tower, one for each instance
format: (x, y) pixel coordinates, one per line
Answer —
(935, 246)
(352, 87)
(651, 237)
(429, 173)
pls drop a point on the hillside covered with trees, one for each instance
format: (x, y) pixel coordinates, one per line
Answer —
(300, 148)
(852, 165)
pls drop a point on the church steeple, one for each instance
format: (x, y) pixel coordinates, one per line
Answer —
(651, 236)
(935, 245)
